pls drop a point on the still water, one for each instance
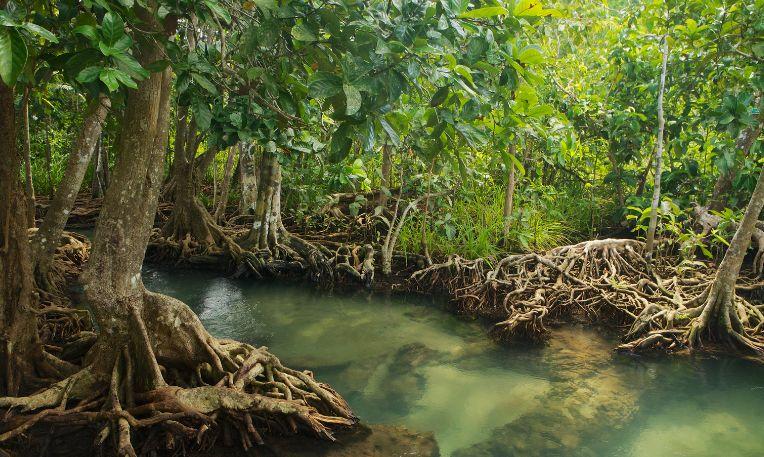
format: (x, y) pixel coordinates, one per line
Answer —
(403, 360)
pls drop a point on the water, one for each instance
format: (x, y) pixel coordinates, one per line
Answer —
(404, 361)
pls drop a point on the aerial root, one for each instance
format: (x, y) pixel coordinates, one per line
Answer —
(601, 281)
(253, 395)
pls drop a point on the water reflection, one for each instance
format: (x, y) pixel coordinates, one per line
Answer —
(401, 360)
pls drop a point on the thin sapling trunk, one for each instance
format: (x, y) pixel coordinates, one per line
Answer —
(650, 240)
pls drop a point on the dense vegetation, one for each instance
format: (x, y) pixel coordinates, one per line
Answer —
(562, 160)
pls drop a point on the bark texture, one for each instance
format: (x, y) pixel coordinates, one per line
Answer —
(720, 318)
(19, 345)
(226, 184)
(248, 173)
(46, 239)
(28, 183)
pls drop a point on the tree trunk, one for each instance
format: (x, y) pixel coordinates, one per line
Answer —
(48, 158)
(509, 195)
(104, 161)
(46, 240)
(96, 187)
(650, 241)
(267, 224)
(28, 159)
(226, 184)
(248, 178)
(387, 167)
(19, 344)
(719, 318)
(112, 278)
(189, 218)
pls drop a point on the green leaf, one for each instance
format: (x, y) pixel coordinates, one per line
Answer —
(301, 32)
(530, 55)
(531, 8)
(352, 99)
(13, 55)
(255, 73)
(440, 96)
(488, 11)
(474, 137)
(205, 83)
(125, 79)
(202, 114)
(112, 28)
(339, 147)
(88, 31)
(109, 77)
(123, 44)
(106, 49)
(127, 63)
(540, 110)
(89, 74)
(758, 49)
(391, 133)
(265, 5)
(323, 84)
(40, 31)
(218, 10)
(510, 159)
(465, 73)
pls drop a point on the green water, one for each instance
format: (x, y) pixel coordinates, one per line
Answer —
(403, 360)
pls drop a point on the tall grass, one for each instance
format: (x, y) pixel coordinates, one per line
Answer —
(473, 226)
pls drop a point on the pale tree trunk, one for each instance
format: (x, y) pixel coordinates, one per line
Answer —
(426, 212)
(96, 187)
(279, 250)
(248, 180)
(509, 194)
(650, 241)
(28, 159)
(214, 186)
(46, 240)
(267, 222)
(387, 167)
(48, 157)
(104, 161)
(100, 179)
(19, 343)
(226, 184)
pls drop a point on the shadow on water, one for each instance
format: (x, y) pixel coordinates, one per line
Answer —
(401, 360)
